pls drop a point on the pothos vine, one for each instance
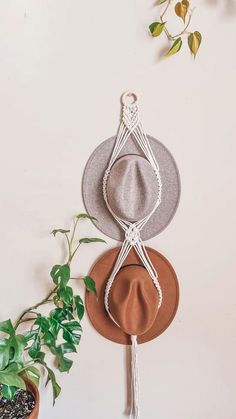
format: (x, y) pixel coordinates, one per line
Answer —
(184, 11)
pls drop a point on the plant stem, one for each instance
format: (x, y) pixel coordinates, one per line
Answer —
(73, 231)
(46, 300)
(168, 34)
(186, 27)
(69, 244)
(28, 320)
(73, 254)
(165, 10)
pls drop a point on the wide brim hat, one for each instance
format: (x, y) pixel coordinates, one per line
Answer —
(127, 291)
(93, 182)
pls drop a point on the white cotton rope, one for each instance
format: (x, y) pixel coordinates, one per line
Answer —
(130, 124)
(135, 406)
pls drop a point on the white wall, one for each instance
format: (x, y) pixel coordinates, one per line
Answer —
(63, 67)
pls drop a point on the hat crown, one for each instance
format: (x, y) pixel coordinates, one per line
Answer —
(134, 300)
(132, 188)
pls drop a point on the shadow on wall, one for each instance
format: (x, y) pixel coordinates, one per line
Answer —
(229, 6)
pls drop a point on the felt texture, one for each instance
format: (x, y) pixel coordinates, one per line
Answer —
(132, 188)
(162, 318)
(134, 300)
(93, 195)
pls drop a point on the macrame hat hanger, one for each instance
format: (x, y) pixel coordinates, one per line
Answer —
(132, 191)
(93, 181)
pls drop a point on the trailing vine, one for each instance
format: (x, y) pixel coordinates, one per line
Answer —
(184, 11)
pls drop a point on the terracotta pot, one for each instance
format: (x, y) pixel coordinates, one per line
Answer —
(33, 389)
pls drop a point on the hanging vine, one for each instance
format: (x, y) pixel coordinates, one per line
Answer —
(184, 11)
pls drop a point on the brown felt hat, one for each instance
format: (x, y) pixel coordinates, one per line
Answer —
(133, 299)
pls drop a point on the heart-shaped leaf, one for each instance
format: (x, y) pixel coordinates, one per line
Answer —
(60, 274)
(175, 47)
(181, 9)
(194, 42)
(156, 28)
(90, 284)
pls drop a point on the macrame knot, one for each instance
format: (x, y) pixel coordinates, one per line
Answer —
(104, 183)
(132, 235)
(130, 117)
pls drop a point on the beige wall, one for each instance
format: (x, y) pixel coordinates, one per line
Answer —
(63, 66)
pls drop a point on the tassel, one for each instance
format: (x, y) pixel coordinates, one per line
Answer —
(135, 408)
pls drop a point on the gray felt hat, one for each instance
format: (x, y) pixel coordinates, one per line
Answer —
(131, 188)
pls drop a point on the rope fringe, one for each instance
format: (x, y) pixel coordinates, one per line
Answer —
(135, 405)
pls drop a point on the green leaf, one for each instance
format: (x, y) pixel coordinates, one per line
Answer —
(91, 240)
(84, 215)
(43, 326)
(33, 374)
(175, 47)
(12, 349)
(18, 344)
(70, 332)
(4, 353)
(35, 347)
(194, 42)
(43, 323)
(12, 367)
(68, 329)
(8, 392)
(65, 294)
(79, 306)
(49, 339)
(9, 376)
(60, 274)
(7, 327)
(60, 314)
(29, 335)
(90, 284)
(156, 28)
(55, 386)
(65, 364)
(40, 357)
(59, 230)
(51, 377)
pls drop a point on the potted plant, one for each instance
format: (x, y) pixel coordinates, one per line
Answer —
(23, 353)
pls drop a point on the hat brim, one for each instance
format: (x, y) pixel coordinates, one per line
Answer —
(95, 306)
(93, 195)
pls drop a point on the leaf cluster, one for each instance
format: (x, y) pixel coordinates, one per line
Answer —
(59, 332)
(183, 11)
